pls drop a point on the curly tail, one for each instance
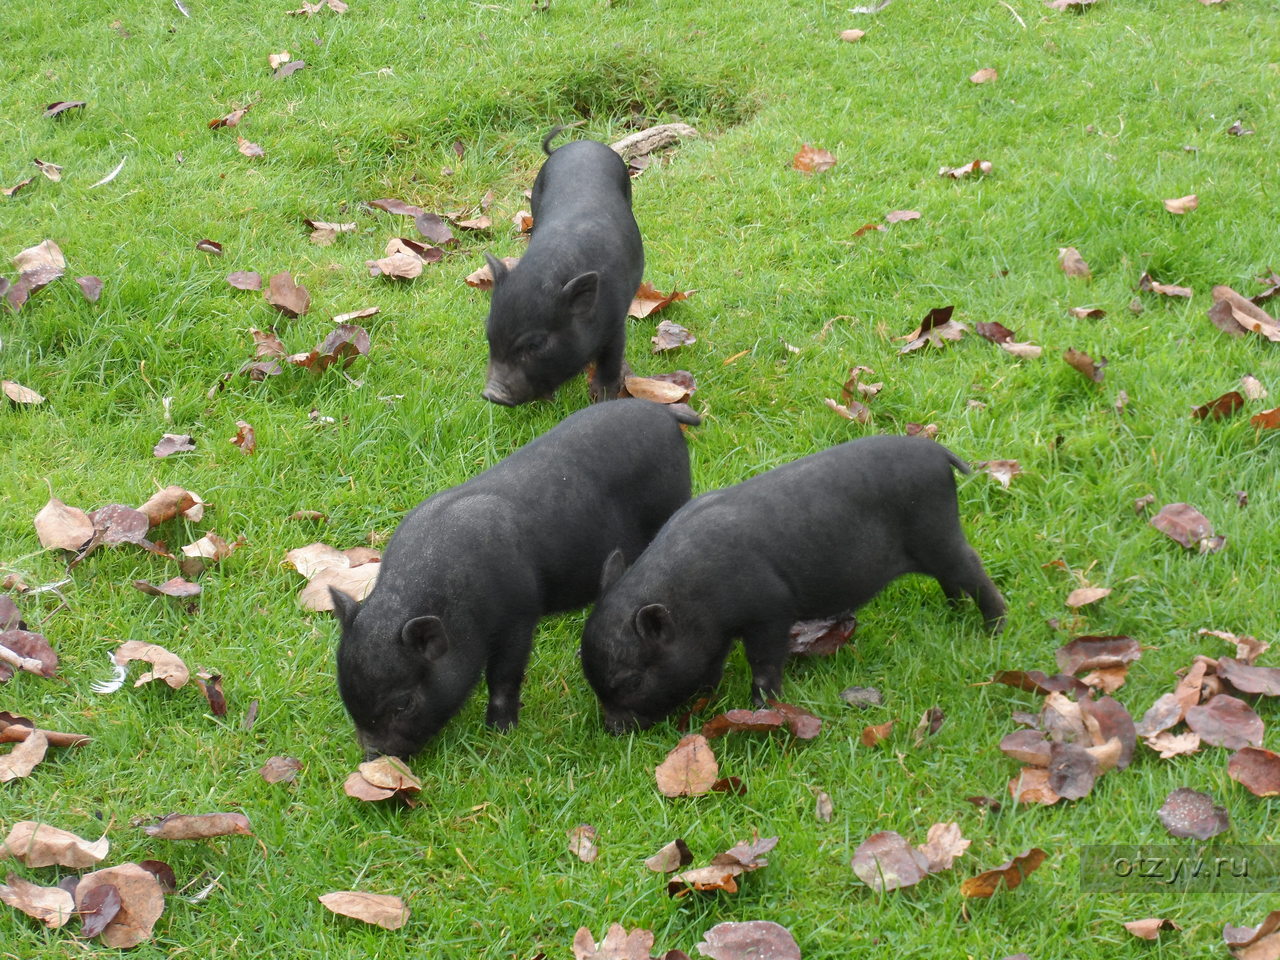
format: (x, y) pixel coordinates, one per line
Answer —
(546, 141)
(957, 462)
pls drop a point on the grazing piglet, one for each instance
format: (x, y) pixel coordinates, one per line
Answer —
(565, 303)
(812, 538)
(470, 570)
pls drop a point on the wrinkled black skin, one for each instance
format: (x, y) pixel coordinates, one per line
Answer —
(469, 571)
(565, 303)
(813, 538)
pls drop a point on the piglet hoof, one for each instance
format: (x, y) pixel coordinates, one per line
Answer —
(598, 392)
(502, 717)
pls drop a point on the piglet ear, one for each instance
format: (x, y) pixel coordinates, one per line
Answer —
(496, 267)
(427, 636)
(344, 607)
(655, 625)
(614, 567)
(578, 297)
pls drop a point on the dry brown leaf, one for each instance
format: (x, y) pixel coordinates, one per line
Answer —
(1085, 364)
(1087, 313)
(245, 438)
(166, 666)
(660, 389)
(820, 638)
(1188, 526)
(1219, 408)
(873, 735)
(901, 216)
(290, 298)
(813, 160)
(1174, 744)
(382, 910)
(959, 173)
(141, 903)
(249, 148)
(1252, 388)
(669, 336)
(1190, 813)
(936, 327)
(854, 410)
(20, 394)
(39, 845)
(648, 300)
(61, 527)
(1149, 284)
(852, 36)
(482, 279)
(232, 119)
(24, 757)
(280, 770)
(355, 582)
(1182, 204)
(1150, 928)
(52, 906)
(199, 826)
(1031, 785)
(245, 280)
(1009, 875)
(985, 75)
(1001, 470)
(747, 940)
(582, 842)
(1226, 721)
(173, 587)
(673, 856)
(689, 770)
(942, 846)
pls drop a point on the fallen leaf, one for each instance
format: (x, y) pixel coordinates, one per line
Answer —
(1182, 204)
(749, 940)
(985, 75)
(201, 826)
(1072, 770)
(1223, 406)
(665, 388)
(175, 587)
(245, 438)
(813, 160)
(1031, 785)
(852, 36)
(39, 845)
(861, 696)
(382, 778)
(245, 280)
(1087, 313)
(582, 842)
(901, 216)
(854, 410)
(936, 327)
(942, 846)
(1266, 420)
(37, 266)
(98, 909)
(346, 342)
(617, 944)
(60, 527)
(1237, 129)
(90, 287)
(13, 191)
(1002, 470)
(960, 172)
(280, 770)
(1094, 652)
(1085, 364)
(886, 861)
(823, 809)
(59, 107)
(171, 443)
(285, 295)
(356, 315)
(820, 638)
(482, 279)
(1174, 744)
(868, 228)
(1188, 526)
(141, 903)
(165, 665)
(52, 906)
(689, 769)
(648, 300)
(1150, 928)
(1190, 813)
(356, 582)
(1026, 746)
(930, 723)
(1226, 721)
(670, 336)
(20, 394)
(673, 856)
(24, 757)
(1149, 284)
(324, 233)
(382, 910)
(873, 735)
(209, 246)
(1247, 678)
(309, 8)
(1010, 874)
(249, 148)
(802, 724)
(27, 651)
(289, 69)
(211, 687)
(1258, 770)
(1253, 389)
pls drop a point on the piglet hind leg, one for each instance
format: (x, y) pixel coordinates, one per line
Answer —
(606, 379)
(504, 675)
(766, 646)
(960, 572)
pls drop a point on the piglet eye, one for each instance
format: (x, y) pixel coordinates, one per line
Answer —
(531, 345)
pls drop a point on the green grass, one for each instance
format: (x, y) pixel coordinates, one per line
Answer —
(387, 90)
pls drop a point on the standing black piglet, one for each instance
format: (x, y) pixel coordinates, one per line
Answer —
(813, 538)
(469, 571)
(565, 303)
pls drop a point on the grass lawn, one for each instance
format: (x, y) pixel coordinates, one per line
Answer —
(1093, 121)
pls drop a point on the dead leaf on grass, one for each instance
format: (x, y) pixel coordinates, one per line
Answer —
(1190, 813)
(1181, 205)
(1226, 721)
(280, 770)
(977, 167)
(748, 940)
(673, 856)
(165, 665)
(378, 909)
(1219, 408)
(820, 638)
(1149, 284)
(39, 845)
(936, 327)
(812, 159)
(1187, 526)
(141, 903)
(1085, 363)
(482, 279)
(232, 119)
(985, 75)
(669, 336)
(24, 757)
(1151, 928)
(171, 443)
(245, 280)
(60, 527)
(52, 906)
(582, 842)
(174, 587)
(20, 394)
(873, 735)
(1001, 470)
(1008, 875)
(689, 770)
(179, 826)
(648, 300)
(1094, 652)
(245, 438)
(382, 778)
(287, 296)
